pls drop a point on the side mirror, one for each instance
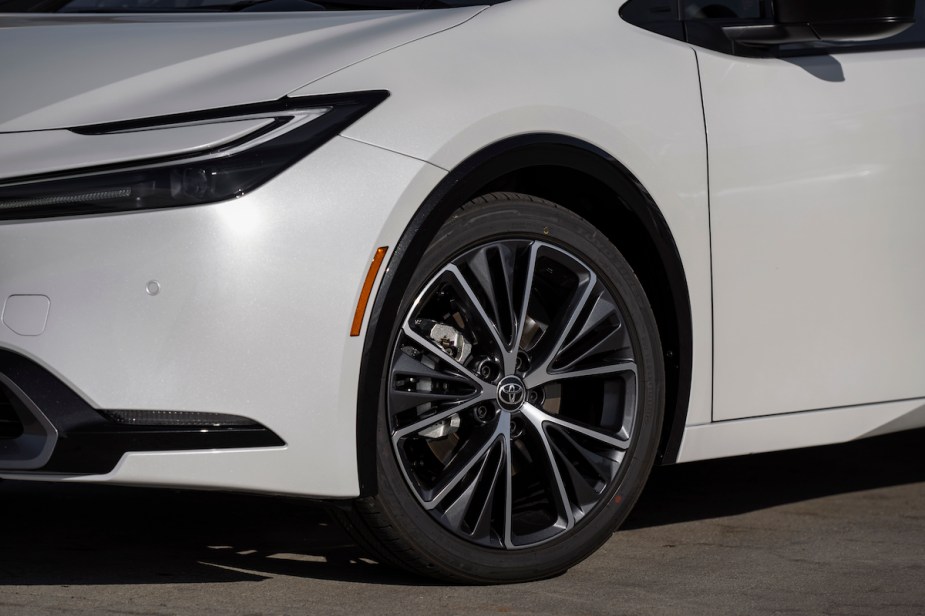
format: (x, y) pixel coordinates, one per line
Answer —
(834, 21)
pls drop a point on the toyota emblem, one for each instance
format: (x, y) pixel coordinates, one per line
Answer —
(511, 393)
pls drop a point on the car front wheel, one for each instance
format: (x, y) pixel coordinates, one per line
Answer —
(522, 400)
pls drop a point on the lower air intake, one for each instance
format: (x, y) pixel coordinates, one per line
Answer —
(27, 438)
(10, 424)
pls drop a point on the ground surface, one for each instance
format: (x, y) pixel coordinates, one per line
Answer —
(834, 530)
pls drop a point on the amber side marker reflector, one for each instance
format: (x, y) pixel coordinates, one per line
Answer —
(367, 290)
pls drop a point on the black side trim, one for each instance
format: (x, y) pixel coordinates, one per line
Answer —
(464, 183)
(89, 443)
(96, 449)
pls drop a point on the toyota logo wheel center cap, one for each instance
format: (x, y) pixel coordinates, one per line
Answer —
(512, 393)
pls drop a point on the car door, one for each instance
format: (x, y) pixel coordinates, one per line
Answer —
(817, 205)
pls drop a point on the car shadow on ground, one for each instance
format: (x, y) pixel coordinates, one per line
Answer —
(67, 534)
(731, 486)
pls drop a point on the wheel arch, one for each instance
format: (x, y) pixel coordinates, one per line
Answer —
(580, 177)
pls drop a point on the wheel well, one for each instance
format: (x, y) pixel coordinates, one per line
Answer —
(575, 175)
(594, 201)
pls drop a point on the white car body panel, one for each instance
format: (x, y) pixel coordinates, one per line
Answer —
(119, 67)
(816, 207)
(793, 430)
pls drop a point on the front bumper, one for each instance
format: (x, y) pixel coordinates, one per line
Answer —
(250, 316)
(50, 429)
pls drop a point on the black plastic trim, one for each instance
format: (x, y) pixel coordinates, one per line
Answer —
(803, 37)
(89, 443)
(463, 184)
(32, 447)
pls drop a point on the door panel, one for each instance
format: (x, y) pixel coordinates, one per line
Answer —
(817, 184)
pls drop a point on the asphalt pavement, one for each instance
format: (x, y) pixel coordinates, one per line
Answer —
(829, 530)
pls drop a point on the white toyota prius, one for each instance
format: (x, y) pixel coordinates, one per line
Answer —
(463, 269)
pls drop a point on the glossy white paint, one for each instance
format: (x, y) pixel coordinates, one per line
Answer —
(792, 430)
(73, 70)
(253, 316)
(657, 131)
(816, 199)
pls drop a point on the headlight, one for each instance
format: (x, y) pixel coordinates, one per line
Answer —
(293, 127)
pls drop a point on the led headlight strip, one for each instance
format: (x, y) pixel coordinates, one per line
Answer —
(294, 127)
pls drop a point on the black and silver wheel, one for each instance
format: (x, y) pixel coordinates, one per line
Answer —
(522, 399)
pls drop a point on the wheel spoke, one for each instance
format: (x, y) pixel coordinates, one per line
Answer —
(476, 304)
(558, 493)
(526, 293)
(415, 383)
(565, 323)
(508, 531)
(440, 416)
(434, 348)
(600, 337)
(604, 466)
(598, 468)
(404, 400)
(538, 417)
(463, 462)
(492, 269)
(537, 378)
(601, 310)
(580, 351)
(410, 366)
(471, 512)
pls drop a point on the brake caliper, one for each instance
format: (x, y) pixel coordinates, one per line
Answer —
(454, 344)
(447, 338)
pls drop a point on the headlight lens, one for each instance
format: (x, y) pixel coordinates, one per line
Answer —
(294, 128)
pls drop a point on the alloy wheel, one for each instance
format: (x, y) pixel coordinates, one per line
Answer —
(512, 393)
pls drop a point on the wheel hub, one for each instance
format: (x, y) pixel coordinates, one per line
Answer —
(512, 393)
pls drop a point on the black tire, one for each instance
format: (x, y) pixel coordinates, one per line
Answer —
(480, 485)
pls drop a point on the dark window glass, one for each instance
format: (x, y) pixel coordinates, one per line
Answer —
(659, 16)
(913, 37)
(722, 9)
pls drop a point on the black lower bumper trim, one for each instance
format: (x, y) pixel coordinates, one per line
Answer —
(89, 441)
(95, 451)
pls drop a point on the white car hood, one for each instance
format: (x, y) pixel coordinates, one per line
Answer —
(64, 71)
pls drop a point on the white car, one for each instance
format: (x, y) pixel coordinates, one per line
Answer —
(463, 269)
